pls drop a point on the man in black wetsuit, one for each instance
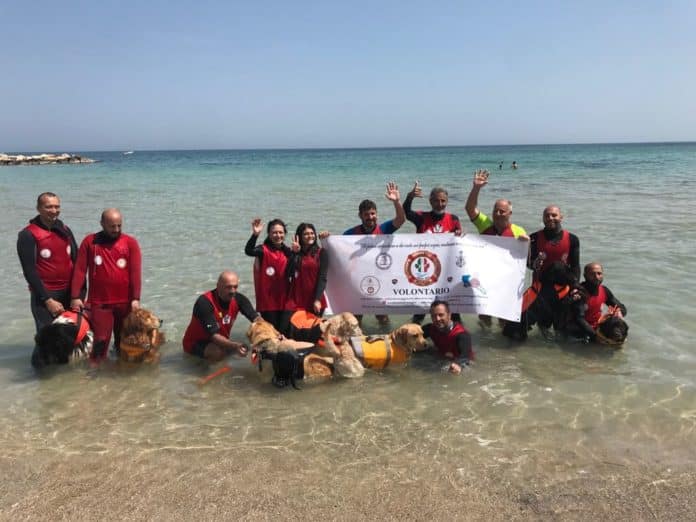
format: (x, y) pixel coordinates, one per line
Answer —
(553, 243)
(47, 251)
(208, 333)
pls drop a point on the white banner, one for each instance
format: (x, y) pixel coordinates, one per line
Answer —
(404, 273)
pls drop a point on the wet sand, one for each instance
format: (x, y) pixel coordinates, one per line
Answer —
(267, 483)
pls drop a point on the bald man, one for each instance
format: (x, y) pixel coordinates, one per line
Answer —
(208, 333)
(111, 263)
(500, 224)
(552, 244)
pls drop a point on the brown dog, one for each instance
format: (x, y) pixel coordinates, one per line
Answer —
(141, 337)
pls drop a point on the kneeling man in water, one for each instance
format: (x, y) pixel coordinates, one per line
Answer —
(452, 341)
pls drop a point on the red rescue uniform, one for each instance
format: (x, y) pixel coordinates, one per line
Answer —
(270, 283)
(553, 251)
(304, 284)
(594, 307)
(54, 263)
(114, 268)
(224, 317)
(446, 342)
(446, 224)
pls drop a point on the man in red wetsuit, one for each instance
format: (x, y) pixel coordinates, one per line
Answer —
(208, 333)
(47, 251)
(111, 262)
(452, 341)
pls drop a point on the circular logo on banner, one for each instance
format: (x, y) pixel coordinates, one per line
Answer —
(422, 268)
(383, 261)
(270, 271)
(97, 260)
(369, 285)
(121, 263)
(45, 253)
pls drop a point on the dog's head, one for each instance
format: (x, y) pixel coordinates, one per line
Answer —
(68, 338)
(54, 344)
(263, 336)
(410, 336)
(140, 321)
(341, 326)
(141, 337)
(559, 273)
(287, 369)
(613, 331)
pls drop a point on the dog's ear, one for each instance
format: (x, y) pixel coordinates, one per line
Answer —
(401, 335)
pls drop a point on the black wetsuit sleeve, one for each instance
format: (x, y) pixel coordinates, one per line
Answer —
(579, 309)
(251, 249)
(245, 307)
(322, 276)
(204, 312)
(464, 347)
(533, 250)
(574, 256)
(613, 301)
(26, 250)
(412, 216)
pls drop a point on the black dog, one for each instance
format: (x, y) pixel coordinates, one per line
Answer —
(613, 330)
(68, 338)
(551, 304)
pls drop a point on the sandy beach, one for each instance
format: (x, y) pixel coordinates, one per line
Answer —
(266, 485)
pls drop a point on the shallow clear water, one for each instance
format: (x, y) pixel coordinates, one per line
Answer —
(630, 205)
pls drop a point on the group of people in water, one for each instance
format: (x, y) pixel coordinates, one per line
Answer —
(106, 269)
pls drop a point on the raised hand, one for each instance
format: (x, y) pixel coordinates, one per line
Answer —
(392, 192)
(481, 178)
(256, 226)
(416, 191)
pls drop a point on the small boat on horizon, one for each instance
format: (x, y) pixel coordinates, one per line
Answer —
(128, 152)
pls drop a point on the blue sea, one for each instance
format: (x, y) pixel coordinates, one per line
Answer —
(521, 410)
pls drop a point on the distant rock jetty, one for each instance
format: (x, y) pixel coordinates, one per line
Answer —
(42, 159)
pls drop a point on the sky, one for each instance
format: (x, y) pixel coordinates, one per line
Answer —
(154, 75)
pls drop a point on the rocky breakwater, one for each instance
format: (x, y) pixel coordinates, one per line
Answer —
(42, 159)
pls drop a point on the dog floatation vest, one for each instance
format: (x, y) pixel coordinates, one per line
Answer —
(531, 293)
(132, 353)
(79, 320)
(378, 351)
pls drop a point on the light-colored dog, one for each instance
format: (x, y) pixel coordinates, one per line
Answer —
(292, 360)
(379, 351)
(141, 337)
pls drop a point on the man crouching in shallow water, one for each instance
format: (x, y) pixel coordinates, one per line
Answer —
(208, 333)
(452, 341)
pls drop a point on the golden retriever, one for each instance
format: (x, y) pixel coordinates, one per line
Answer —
(291, 359)
(141, 337)
(379, 351)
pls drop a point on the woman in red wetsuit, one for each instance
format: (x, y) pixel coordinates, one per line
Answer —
(270, 268)
(307, 271)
